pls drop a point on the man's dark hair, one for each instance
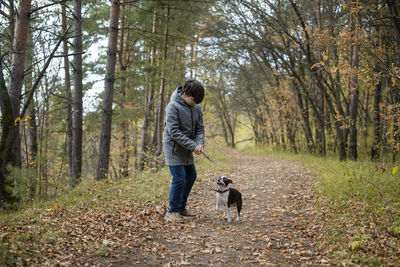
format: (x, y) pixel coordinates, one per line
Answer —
(194, 88)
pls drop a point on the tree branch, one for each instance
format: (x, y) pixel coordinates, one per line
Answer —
(41, 74)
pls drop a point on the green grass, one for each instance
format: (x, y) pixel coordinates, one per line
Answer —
(376, 184)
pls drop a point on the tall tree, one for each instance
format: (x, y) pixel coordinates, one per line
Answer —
(320, 129)
(11, 101)
(160, 108)
(32, 125)
(78, 96)
(17, 71)
(395, 94)
(354, 87)
(7, 131)
(105, 132)
(148, 99)
(68, 96)
(125, 57)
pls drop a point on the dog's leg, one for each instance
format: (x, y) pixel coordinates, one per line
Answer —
(238, 216)
(239, 208)
(228, 214)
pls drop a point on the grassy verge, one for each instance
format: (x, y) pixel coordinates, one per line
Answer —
(361, 203)
(33, 230)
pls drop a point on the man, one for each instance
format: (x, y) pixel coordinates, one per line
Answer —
(183, 135)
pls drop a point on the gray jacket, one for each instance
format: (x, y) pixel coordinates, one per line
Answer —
(183, 130)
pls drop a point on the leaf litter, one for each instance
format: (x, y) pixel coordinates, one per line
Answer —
(280, 226)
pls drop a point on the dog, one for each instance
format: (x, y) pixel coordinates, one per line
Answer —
(227, 196)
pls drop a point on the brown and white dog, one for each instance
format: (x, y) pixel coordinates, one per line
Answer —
(227, 196)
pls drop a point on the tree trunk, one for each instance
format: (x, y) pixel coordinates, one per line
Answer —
(338, 114)
(68, 96)
(11, 101)
(303, 105)
(377, 117)
(320, 138)
(32, 126)
(78, 95)
(124, 126)
(148, 102)
(160, 112)
(395, 90)
(355, 94)
(17, 72)
(11, 21)
(7, 133)
(124, 61)
(105, 132)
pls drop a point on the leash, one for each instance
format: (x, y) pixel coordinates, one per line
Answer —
(207, 157)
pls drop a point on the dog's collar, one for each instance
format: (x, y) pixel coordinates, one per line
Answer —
(221, 191)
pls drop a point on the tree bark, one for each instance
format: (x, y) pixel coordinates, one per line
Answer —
(105, 132)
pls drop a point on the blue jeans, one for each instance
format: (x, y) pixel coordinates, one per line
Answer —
(183, 178)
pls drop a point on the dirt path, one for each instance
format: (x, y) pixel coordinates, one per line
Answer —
(279, 226)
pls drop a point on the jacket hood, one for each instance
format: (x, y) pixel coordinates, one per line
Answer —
(177, 96)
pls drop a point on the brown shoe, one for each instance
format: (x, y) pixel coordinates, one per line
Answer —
(186, 213)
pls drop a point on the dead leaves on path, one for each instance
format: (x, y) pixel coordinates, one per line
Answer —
(282, 225)
(279, 227)
(65, 236)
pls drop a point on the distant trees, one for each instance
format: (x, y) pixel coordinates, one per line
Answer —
(328, 58)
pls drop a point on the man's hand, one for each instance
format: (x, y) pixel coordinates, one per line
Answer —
(199, 149)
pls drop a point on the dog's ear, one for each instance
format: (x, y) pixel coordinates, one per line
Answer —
(230, 181)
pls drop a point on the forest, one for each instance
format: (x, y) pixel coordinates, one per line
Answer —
(84, 84)
(307, 76)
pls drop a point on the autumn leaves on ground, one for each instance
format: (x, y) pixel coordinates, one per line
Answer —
(279, 225)
(282, 224)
